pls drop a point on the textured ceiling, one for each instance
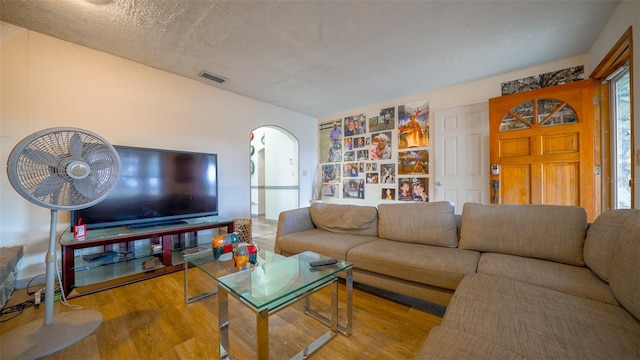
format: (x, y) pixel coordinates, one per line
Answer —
(324, 57)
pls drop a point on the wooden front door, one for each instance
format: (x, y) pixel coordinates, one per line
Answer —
(542, 148)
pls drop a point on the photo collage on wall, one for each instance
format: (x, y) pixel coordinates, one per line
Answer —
(413, 151)
(383, 156)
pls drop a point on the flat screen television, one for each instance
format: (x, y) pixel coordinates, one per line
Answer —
(156, 187)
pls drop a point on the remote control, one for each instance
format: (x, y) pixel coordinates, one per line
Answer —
(323, 262)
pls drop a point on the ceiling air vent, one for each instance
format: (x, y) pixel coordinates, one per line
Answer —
(213, 77)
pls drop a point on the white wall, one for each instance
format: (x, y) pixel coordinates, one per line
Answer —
(626, 14)
(46, 82)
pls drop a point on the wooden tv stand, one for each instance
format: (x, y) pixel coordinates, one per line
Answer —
(163, 236)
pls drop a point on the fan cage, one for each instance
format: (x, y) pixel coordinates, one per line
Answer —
(39, 165)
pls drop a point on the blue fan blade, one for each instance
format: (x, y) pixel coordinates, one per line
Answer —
(75, 146)
(49, 185)
(41, 157)
(85, 188)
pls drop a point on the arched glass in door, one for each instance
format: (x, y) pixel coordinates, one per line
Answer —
(546, 112)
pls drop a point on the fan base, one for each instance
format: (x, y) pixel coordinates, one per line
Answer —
(35, 339)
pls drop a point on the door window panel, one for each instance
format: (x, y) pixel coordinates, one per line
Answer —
(520, 117)
(555, 112)
(547, 112)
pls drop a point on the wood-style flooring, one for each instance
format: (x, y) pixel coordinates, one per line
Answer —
(150, 320)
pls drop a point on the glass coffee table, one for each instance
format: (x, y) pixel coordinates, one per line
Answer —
(203, 259)
(274, 285)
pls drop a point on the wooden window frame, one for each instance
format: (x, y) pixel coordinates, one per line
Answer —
(619, 55)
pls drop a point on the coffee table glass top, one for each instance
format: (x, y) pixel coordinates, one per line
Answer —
(205, 261)
(275, 284)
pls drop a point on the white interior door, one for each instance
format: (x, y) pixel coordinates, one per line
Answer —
(461, 147)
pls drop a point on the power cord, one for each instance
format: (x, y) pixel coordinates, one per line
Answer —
(38, 295)
(29, 284)
(36, 300)
(63, 298)
(18, 308)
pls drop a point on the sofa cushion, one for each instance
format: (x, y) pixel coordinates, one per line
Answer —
(624, 274)
(294, 220)
(601, 240)
(541, 323)
(550, 232)
(570, 279)
(424, 223)
(445, 343)
(425, 264)
(345, 219)
(330, 244)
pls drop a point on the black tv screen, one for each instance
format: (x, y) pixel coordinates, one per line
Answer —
(155, 187)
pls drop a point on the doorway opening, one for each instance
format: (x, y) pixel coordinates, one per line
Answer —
(274, 172)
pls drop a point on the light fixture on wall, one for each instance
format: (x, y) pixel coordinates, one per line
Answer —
(211, 76)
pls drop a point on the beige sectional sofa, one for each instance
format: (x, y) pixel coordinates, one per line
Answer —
(519, 281)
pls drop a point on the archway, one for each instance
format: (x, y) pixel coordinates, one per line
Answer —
(274, 172)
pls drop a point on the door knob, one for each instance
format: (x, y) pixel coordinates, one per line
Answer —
(438, 183)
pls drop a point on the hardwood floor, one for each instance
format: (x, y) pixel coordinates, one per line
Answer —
(263, 232)
(150, 320)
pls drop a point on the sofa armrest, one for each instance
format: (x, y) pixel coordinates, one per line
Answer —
(291, 221)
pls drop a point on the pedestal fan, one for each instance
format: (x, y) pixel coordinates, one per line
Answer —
(59, 169)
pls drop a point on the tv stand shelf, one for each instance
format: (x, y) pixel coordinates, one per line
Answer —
(115, 272)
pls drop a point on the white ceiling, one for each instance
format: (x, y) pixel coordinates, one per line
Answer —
(324, 57)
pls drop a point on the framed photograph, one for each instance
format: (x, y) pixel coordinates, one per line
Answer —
(351, 170)
(387, 173)
(371, 166)
(388, 194)
(355, 125)
(330, 141)
(330, 173)
(413, 125)
(386, 120)
(349, 155)
(413, 162)
(381, 146)
(331, 190)
(353, 189)
(413, 189)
